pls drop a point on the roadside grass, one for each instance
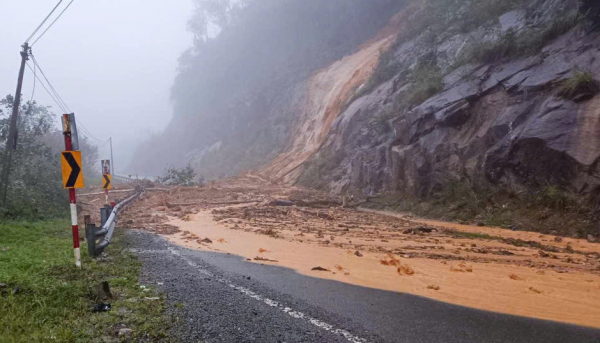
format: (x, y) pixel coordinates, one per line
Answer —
(47, 299)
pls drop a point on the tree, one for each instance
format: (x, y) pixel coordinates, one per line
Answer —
(35, 187)
(215, 14)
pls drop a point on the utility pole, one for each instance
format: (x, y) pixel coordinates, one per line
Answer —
(11, 141)
(112, 163)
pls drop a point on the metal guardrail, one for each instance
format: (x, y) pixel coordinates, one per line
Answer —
(123, 179)
(109, 218)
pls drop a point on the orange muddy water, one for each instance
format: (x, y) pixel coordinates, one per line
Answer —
(513, 272)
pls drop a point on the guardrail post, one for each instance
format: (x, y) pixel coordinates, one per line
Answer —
(90, 235)
(104, 214)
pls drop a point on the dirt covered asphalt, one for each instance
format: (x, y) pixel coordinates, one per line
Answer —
(318, 235)
(218, 297)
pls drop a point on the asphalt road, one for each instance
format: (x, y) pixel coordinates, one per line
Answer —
(224, 298)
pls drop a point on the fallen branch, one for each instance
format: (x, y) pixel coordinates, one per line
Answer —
(233, 202)
(316, 214)
(170, 205)
(319, 203)
(264, 259)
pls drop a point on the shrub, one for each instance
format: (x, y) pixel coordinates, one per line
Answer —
(434, 17)
(489, 52)
(555, 198)
(316, 172)
(579, 86)
(426, 81)
(178, 176)
(511, 45)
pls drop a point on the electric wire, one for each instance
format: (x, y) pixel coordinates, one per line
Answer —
(88, 132)
(49, 26)
(35, 62)
(59, 101)
(48, 91)
(34, 82)
(43, 22)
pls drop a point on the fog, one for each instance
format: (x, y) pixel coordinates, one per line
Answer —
(112, 61)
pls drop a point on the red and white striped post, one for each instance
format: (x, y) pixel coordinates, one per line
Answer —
(72, 194)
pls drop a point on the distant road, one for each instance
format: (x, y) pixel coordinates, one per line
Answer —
(224, 298)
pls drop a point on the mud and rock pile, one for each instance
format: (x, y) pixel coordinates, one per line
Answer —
(254, 205)
(313, 233)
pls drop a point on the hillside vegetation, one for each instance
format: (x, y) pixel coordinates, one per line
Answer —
(233, 91)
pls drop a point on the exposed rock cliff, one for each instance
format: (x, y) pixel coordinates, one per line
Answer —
(501, 121)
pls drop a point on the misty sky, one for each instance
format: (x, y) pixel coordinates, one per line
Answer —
(112, 61)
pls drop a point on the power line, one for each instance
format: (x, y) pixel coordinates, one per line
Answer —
(88, 132)
(35, 62)
(34, 81)
(49, 93)
(43, 22)
(48, 28)
(58, 99)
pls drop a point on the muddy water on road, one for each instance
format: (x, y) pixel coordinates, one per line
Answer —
(572, 297)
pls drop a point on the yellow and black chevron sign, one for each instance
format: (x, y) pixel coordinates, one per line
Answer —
(107, 181)
(71, 169)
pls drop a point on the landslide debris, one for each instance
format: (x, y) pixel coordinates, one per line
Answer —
(254, 205)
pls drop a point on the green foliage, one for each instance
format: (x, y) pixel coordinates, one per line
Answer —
(47, 299)
(178, 176)
(549, 209)
(235, 83)
(556, 199)
(435, 18)
(511, 45)
(261, 44)
(35, 186)
(381, 122)
(580, 84)
(425, 81)
(492, 51)
(440, 16)
(317, 169)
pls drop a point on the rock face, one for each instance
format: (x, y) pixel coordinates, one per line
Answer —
(476, 102)
(500, 122)
(323, 98)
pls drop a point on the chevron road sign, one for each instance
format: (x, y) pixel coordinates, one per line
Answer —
(71, 169)
(107, 181)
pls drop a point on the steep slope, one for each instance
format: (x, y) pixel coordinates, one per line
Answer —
(236, 94)
(503, 122)
(327, 92)
(508, 103)
(479, 103)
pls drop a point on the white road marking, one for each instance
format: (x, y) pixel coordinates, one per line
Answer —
(289, 311)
